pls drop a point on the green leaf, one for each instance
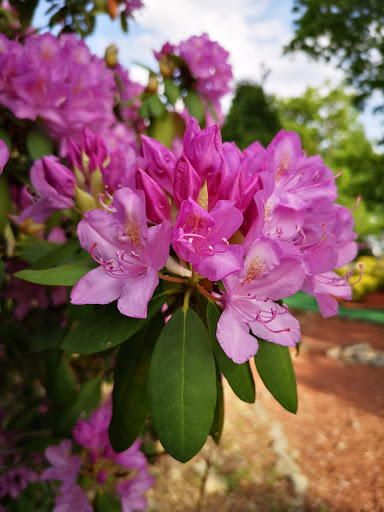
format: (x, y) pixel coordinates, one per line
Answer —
(163, 129)
(33, 249)
(195, 107)
(171, 91)
(152, 106)
(64, 275)
(105, 502)
(239, 376)
(60, 381)
(123, 22)
(156, 106)
(107, 327)
(39, 145)
(5, 203)
(49, 336)
(60, 253)
(182, 385)
(275, 368)
(130, 403)
(144, 110)
(87, 399)
(218, 419)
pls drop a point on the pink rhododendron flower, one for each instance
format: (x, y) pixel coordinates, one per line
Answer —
(58, 80)
(131, 491)
(271, 272)
(74, 499)
(129, 254)
(201, 238)
(65, 466)
(54, 184)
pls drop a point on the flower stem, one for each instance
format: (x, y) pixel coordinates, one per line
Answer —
(207, 294)
(172, 279)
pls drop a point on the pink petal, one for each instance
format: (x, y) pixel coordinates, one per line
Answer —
(234, 338)
(96, 287)
(284, 320)
(136, 294)
(219, 265)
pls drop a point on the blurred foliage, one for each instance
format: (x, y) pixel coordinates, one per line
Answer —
(327, 124)
(253, 116)
(349, 32)
(77, 16)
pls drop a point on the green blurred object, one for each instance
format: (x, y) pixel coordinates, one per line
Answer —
(306, 302)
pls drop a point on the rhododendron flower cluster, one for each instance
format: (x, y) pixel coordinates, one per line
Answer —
(141, 253)
(263, 221)
(58, 80)
(124, 473)
(210, 71)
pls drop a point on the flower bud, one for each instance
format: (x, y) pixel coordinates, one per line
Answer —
(187, 182)
(158, 162)
(156, 202)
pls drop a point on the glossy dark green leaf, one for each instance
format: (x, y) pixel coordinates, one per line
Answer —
(63, 275)
(39, 144)
(60, 253)
(33, 249)
(182, 385)
(171, 91)
(218, 419)
(195, 107)
(239, 376)
(130, 402)
(275, 368)
(107, 327)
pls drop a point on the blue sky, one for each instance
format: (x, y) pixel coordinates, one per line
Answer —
(253, 31)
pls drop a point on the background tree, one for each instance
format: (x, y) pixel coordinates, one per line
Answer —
(253, 116)
(349, 31)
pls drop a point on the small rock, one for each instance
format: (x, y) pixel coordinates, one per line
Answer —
(341, 445)
(299, 483)
(276, 430)
(280, 446)
(285, 466)
(200, 467)
(215, 484)
(361, 353)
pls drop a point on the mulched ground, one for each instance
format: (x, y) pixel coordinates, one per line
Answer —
(336, 438)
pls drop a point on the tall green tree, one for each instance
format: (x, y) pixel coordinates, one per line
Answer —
(253, 116)
(349, 31)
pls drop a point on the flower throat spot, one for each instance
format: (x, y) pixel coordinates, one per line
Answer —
(256, 268)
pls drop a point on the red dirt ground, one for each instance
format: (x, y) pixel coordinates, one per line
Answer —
(337, 437)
